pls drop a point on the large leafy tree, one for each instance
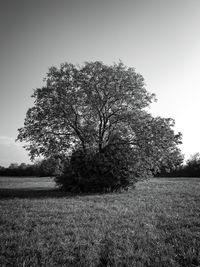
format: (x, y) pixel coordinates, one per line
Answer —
(86, 107)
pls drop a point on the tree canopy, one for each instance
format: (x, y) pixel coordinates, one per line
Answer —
(86, 107)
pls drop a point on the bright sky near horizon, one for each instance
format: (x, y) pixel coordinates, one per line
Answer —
(159, 38)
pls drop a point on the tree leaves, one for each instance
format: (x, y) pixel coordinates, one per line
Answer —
(85, 107)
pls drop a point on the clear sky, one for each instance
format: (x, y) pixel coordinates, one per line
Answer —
(159, 38)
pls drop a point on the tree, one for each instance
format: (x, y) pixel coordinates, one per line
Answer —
(13, 166)
(192, 167)
(49, 167)
(86, 107)
(23, 166)
(194, 159)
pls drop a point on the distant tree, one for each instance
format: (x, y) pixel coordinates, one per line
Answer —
(2, 170)
(85, 108)
(194, 159)
(23, 166)
(13, 166)
(192, 167)
(49, 167)
(189, 169)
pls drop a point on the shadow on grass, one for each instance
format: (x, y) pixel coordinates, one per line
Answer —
(32, 193)
(39, 193)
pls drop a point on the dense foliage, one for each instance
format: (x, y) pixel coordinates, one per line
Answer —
(84, 109)
(105, 171)
(19, 170)
(190, 169)
(45, 167)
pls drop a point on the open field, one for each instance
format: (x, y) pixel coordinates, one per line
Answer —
(156, 224)
(32, 183)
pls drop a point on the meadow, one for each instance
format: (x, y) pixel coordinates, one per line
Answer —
(155, 224)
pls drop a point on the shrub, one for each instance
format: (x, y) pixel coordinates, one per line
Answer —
(106, 171)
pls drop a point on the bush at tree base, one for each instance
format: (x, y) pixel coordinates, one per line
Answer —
(106, 171)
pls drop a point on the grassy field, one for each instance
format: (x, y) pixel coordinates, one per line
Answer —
(156, 224)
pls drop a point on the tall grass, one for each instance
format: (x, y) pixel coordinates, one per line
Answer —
(156, 224)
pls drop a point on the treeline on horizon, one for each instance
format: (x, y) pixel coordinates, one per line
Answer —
(190, 169)
(49, 167)
(39, 169)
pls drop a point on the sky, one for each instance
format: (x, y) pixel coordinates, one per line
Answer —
(159, 38)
